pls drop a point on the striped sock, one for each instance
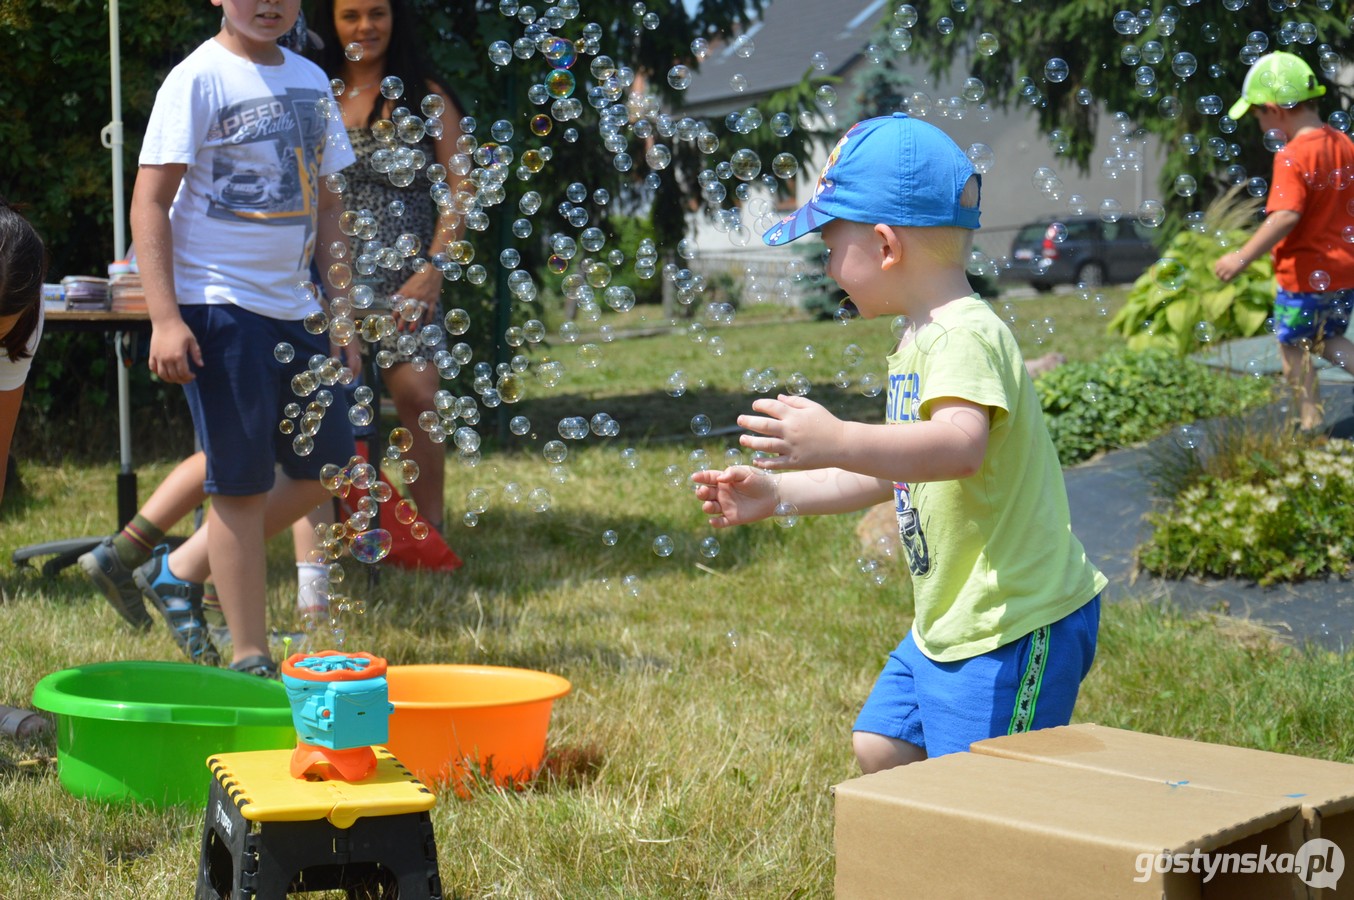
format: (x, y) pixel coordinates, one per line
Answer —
(134, 543)
(211, 606)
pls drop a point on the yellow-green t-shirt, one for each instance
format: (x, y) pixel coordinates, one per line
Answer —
(992, 556)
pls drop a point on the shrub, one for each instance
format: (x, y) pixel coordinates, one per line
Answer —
(1126, 396)
(1179, 303)
(1286, 519)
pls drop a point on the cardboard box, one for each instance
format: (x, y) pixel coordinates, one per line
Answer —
(980, 826)
(1324, 789)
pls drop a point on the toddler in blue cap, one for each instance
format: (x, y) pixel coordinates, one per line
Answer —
(1006, 603)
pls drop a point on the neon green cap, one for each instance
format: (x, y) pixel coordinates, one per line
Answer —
(1281, 79)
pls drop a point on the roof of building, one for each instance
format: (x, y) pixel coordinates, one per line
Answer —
(784, 41)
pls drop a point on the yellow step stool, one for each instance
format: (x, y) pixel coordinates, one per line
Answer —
(267, 834)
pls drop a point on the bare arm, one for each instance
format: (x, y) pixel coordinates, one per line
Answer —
(172, 345)
(841, 466)
(426, 286)
(1275, 228)
(327, 233)
(741, 494)
(804, 435)
(10, 401)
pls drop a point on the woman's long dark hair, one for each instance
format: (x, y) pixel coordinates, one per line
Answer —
(23, 265)
(405, 58)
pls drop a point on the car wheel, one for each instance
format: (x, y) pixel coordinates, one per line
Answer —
(1042, 287)
(1091, 274)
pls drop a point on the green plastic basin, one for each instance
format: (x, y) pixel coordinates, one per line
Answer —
(142, 731)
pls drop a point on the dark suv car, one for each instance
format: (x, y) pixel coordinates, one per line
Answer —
(1080, 250)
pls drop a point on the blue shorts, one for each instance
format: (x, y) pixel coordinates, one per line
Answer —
(238, 395)
(943, 707)
(1302, 317)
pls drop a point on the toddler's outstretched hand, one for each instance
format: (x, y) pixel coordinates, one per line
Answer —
(800, 432)
(735, 496)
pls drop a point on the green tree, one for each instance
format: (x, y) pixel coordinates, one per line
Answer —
(54, 88)
(1173, 70)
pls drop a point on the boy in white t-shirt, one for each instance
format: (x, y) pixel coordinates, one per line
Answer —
(227, 211)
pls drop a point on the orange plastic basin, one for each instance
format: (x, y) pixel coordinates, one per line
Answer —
(452, 721)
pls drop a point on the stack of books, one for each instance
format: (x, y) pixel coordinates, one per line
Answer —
(85, 292)
(129, 296)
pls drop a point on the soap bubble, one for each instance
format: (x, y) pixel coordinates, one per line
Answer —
(1056, 70)
(988, 45)
(1320, 281)
(746, 164)
(284, 352)
(353, 51)
(709, 546)
(609, 538)
(1169, 273)
(1209, 105)
(555, 451)
(700, 425)
(477, 500)
(663, 546)
(679, 77)
(1275, 140)
(539, 500)
(1188, 437)
(1204, 332)
(392, 87)
(372, 546)
(981, 157)
(406, 512)
(1151, 213)
(785, 166)
(1184, 64)
(1185, 185)
(457, 322)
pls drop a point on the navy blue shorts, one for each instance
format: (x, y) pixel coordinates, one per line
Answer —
(238, 395)
(1302, 317)
(943, 707)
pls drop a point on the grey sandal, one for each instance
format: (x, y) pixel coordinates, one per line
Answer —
(22, 725)
(259, 665)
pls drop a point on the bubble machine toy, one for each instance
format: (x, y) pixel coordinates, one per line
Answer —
(334, 813)
(340, 705)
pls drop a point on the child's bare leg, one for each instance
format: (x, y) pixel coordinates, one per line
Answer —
(1339, 351)
(236, 556)
(197, 558)
(1301, 376)
(303, 530)
(877, 752)
(179, 494)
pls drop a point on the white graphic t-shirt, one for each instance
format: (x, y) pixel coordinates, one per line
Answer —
(256, 140)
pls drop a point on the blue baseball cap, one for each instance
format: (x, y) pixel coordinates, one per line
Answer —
(893, 170)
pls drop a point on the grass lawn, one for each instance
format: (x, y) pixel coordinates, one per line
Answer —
(712, 697)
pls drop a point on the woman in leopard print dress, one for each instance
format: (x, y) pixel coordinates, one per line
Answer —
(402, 206)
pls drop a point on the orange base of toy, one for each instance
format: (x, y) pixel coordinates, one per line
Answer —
(353, 764)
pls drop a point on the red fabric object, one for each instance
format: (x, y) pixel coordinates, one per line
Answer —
(406, 551)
